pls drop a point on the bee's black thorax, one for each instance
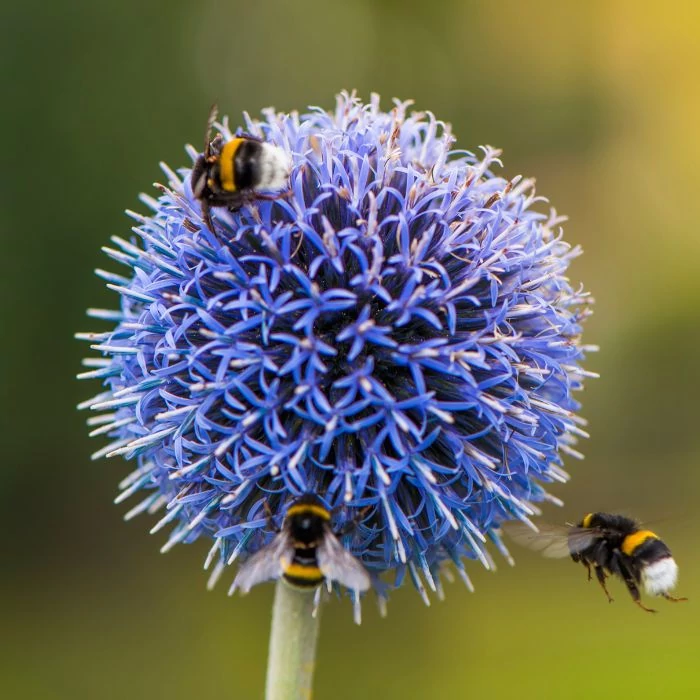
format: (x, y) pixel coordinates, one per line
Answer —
(617, 524)
(305, 530)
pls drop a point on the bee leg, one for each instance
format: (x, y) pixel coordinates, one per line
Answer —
(587, 564)
(644, 607)
(600, 575)
(271, 197)
(269, 515)
(634, 592)
(352, 524)
(266, 197)
(206, 215)
(243, 199)
(672, 599)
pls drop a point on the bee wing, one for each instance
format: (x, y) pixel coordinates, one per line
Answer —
(265, 564)
(553, 541)
(337, 564)
(581, 538)
(213, 113)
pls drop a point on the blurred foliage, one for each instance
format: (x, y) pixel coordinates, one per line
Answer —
(598, 100)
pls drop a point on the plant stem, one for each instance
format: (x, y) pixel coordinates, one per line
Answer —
(292, 656)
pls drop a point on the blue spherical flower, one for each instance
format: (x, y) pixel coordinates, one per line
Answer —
(396, 335)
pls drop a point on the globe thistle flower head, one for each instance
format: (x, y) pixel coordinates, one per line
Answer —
(395, 334)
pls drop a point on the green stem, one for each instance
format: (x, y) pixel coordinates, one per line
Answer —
(290, 665)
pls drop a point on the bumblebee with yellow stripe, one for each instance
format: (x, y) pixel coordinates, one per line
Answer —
(305, 552)
(237, 172)
(609, 545)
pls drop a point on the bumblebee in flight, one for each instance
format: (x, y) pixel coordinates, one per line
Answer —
(610, 545)
(304, 552)
(237, 172)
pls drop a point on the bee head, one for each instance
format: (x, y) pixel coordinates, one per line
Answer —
(200, 173)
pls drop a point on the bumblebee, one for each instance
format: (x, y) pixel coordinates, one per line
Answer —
(304, 552)
(237, 172)
(609, 545)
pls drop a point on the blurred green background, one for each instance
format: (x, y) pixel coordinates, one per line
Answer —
(598, 100)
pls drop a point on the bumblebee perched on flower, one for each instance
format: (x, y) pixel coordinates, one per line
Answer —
(237, 172)
(305, 552)
(610, 545)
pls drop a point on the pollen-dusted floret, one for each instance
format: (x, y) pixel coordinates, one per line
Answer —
(397, 336)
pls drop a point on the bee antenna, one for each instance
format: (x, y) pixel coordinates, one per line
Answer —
(213, 113)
